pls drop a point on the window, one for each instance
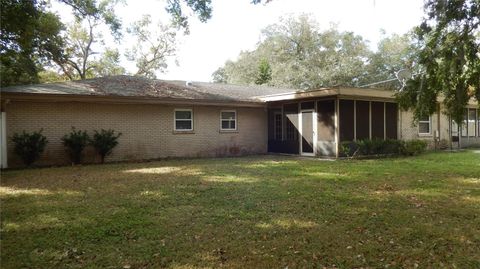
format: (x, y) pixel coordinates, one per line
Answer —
(472, 118)
(464, 127)
(277, 128)
(424, 125)
(228, 120)
(183, 120)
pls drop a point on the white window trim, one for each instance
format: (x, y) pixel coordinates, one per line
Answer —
(236, 121)
(175, 119)
(472, 121)
(429, 126)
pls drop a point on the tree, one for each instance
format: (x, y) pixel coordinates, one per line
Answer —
(153, 48)
(220, 76)
(49, 76)
(108, 64)
(77, 62)
(394, 53)
(449, 44)
(264, 73)
(303, 57)
(30, 36)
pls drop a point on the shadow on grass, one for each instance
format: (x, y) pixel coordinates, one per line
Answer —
(245, 212)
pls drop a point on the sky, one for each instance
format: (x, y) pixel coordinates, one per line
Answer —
(236, 25)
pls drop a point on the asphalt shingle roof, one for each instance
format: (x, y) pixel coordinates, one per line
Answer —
(131, 86)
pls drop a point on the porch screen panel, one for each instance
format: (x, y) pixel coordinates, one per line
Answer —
(391, 119)
(307, 131)
(307, 105)
(378, 123)
(346, 120)
(326, 120)
(271, 122)
(363, 120)
(291, 121)
(290, 143)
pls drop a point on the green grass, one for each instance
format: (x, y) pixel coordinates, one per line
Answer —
(252, 212)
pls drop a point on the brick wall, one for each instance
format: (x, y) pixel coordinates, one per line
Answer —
(408, 131)
(147, 130)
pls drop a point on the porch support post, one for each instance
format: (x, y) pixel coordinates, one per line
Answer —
(354, 120)
(337, 127)
(3, 142)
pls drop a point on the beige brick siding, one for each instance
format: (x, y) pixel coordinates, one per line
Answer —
(408, 131)
(148, 130)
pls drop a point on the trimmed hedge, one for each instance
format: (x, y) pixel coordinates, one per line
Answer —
(370, 147)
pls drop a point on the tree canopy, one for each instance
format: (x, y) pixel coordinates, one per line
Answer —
(153, 48)
(448, 42)
(300, 55)
(34, 41)
(30, 37)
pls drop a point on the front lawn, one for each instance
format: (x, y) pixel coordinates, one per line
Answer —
(252, 212)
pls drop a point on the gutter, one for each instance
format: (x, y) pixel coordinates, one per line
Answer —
(125, 100)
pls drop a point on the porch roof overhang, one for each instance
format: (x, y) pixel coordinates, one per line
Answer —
(327, 92)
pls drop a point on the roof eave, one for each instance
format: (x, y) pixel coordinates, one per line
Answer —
(325, 92)
(125, 99)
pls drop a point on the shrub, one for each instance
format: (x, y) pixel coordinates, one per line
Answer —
(75, 142)
(367, 147)
(348, 148)
(364, 147)
(393, 146)
(104, 142)
(414, 147)
(29, 146)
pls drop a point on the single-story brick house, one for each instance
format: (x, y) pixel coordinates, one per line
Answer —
(161, 119)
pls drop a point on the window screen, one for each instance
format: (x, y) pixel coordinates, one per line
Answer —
(228, 120)
(183, 120)
(424, 125)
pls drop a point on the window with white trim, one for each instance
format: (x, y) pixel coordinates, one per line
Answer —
(228, 120)
(472, 120)
(424, 125)
(183, 120)
(464, 127)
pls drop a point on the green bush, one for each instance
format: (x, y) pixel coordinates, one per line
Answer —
(75, 142)
(368, 147)
(393, 146)
(104, 142)
(29, 146)
(348, 148)
(365, 147)
(414, 147)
